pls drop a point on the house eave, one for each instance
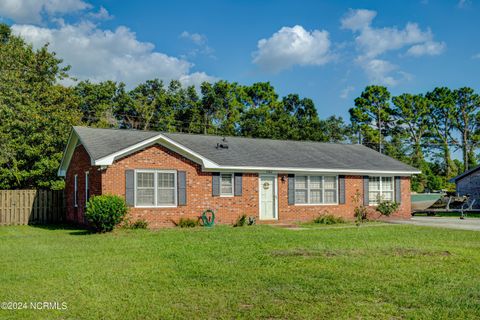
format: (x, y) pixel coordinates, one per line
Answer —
(254, 169)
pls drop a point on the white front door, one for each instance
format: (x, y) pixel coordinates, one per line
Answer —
(268, 191)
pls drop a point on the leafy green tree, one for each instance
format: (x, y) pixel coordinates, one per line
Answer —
(223, 101)
(264, 116)
(97, 103)
(411, 115)
(441, 124)
(467, 105)
(36, 112)
(334, 129)
(372, 116)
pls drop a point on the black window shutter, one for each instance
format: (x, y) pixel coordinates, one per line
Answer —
(130, 187)
(182, 188)
(215, 183)
(365, 191)
(238, 183)
(398, 189)
(341, 189)
(291, 189)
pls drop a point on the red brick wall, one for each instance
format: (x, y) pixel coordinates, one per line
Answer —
(353, 184)
(199, 188)
(199, 191)
(80, 164)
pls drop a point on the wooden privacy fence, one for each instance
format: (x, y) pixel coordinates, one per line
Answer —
(31, 207)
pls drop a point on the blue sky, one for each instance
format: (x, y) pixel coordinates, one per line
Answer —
(326, 50)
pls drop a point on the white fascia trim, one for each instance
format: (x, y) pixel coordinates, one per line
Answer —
(163, 140)
(73, 140)
(311, 170)
(62, 172)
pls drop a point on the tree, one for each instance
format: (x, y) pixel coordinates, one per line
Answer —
(441, 124)
(372, 116)
(36, 112)
(223, 102)
(97, 103)
(411, 116)
(264, 116)
(467, 104)
(334, 129)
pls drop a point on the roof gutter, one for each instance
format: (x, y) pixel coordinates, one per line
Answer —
(310, 170)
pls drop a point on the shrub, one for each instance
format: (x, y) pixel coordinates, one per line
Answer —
(138, 224)
(105, 212)
(328, 219)
(251, 221)
(187, 223)
(360, 211)
(241, 221)
(386, 208)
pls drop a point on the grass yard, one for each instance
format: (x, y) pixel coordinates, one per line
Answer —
(386, 271)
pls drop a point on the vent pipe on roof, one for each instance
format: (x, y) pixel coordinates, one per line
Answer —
(223, 144)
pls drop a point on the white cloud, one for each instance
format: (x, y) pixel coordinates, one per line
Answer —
(101, 14)
(293, 46)
(380, 72)
(427, 48)
(463, 3)
(476, 56)
(117, 55)
(372, 42)
(346, 92)
(200, 43)
(197, 38)
(358, 19)
(31, 11)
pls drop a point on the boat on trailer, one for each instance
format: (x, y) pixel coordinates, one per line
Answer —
(423, 201)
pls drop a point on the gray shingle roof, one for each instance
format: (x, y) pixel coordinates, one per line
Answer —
(249, 152)
(103, 142)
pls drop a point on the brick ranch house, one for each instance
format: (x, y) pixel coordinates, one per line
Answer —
(166, 176)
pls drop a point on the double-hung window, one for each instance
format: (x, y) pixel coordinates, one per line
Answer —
(226, 184)
(316, 189)
(155, 188)
(380, 189)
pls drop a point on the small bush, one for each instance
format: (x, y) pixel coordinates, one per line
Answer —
(328, 219)
(251, 221)
(105, 212)
(138, 224)
(187, 223)
(360, 211)
(241, 221)
(386, 208)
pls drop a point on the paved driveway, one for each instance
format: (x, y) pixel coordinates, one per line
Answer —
(451, 223)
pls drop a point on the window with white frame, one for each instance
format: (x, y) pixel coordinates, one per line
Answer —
(316, 189)
(75, 191)
(380, 189)
(226, 184)
(155, 188)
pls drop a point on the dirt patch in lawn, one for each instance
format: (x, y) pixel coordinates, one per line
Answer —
(330, 253)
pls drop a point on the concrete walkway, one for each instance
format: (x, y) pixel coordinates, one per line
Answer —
(443, 222)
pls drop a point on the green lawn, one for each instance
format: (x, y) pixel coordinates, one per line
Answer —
(377, 272)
